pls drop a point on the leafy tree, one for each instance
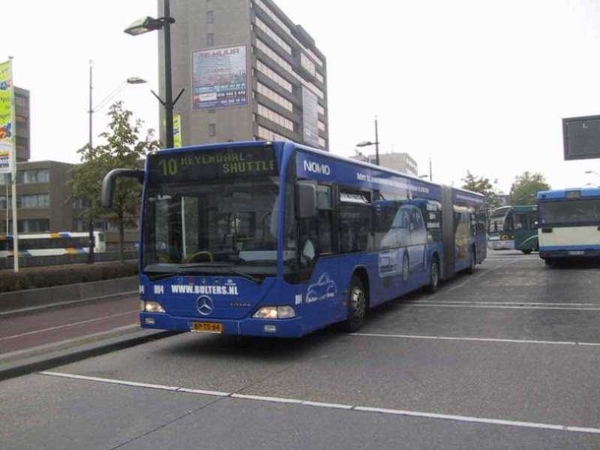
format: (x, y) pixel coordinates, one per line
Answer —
(123, 148)
(526, 186)
(483, 186)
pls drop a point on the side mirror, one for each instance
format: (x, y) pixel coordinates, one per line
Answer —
(306, 200)
(108, 184)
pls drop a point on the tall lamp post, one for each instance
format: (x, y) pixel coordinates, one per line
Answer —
(376, 143)
(91, 111)
(146, 25)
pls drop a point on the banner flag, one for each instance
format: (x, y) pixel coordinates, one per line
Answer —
(177, 130)
(7, 126)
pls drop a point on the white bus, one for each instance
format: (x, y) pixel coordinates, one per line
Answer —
(51, 244)
(569, 224)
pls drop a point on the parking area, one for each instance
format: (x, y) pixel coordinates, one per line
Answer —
(504, 358)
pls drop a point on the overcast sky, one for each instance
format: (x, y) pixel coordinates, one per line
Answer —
(472, 84)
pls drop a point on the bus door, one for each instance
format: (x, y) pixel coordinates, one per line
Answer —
(525, 231)
(418, 239)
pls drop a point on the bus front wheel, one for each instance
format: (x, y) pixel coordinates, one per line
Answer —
(549, 261)
(357, 305)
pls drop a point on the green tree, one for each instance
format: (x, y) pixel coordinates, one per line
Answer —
(483, 186)
(123, 148)
(526, 186)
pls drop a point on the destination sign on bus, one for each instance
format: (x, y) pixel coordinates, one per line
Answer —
(212, 164)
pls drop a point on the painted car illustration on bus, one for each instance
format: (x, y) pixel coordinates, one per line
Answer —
(323, 289)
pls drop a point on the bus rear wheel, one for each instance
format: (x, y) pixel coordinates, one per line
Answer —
(434, 275)
(472, 261)
(357, 306)
(527, 251)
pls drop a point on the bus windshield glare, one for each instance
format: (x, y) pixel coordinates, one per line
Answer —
(213, 210)
(580, 212)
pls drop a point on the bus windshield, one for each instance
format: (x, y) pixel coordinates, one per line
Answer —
(577, 212)
(500, 221)
(202, 221)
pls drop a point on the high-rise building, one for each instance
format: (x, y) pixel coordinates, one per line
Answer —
(248, 72)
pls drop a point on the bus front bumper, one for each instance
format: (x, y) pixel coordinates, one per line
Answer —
(552, 253)
(287, 328)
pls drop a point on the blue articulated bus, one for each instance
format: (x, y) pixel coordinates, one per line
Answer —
(278, 239)
(569, 224)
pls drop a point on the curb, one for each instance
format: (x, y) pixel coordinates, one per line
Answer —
(49, 360)
(54, 306)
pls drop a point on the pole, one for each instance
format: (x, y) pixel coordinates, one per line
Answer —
(15, 233)
(430, 171)
(376, 143)
(90, 257)
(168, 80)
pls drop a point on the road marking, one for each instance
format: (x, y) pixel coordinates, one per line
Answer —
(366, 409)
(67, 325)
(451, 304)
(469, 339)
(467, 302)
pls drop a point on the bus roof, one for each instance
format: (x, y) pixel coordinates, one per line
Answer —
(557, 194)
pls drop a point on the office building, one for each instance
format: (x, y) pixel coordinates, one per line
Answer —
(249, 72)
(22, 118)
(400, 162)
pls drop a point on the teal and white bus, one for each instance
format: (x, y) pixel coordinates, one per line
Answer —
(569, 224)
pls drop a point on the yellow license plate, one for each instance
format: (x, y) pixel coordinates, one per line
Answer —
(205, 327)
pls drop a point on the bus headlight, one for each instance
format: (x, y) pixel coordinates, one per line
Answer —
(275, 312)
(153, 307)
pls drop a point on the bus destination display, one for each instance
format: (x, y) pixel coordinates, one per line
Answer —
(212, 164)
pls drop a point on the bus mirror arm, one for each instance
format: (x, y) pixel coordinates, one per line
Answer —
(108, 184)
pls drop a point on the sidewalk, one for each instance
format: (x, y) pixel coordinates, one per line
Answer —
(37, 335)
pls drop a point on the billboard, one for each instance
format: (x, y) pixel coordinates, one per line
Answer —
(310, 118)
(7, 114)
(219, 78)
(581, 137)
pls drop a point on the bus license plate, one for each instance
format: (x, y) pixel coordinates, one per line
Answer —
(205, 327)
(576, 253)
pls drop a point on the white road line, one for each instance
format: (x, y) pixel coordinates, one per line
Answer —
(451, 304)
(468, 302)
(67, 325)
(471, 339)
(366, 409)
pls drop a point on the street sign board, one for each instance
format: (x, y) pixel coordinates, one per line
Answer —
(581, 137)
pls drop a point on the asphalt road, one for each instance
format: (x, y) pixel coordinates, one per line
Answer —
(505, 358)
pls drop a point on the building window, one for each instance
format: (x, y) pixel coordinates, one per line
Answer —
(212, 129)
(33, 176)
(210, 40)
(274, 96)
(210, 17)
(274, 117)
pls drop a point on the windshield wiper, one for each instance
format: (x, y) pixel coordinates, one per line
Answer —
(220, 269)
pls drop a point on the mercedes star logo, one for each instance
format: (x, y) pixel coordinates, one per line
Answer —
(205, 305)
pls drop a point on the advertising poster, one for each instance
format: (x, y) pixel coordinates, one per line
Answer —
(7, 142)
(219, 78)
(310, 118)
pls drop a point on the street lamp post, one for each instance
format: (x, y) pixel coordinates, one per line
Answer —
(376, 143)
(130, 80)
(146, 25)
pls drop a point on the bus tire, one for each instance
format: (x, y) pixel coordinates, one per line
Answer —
(405, 267)
(549, 261)
(434, 275)
(472, 260)
(527, 251)
(357, 305)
